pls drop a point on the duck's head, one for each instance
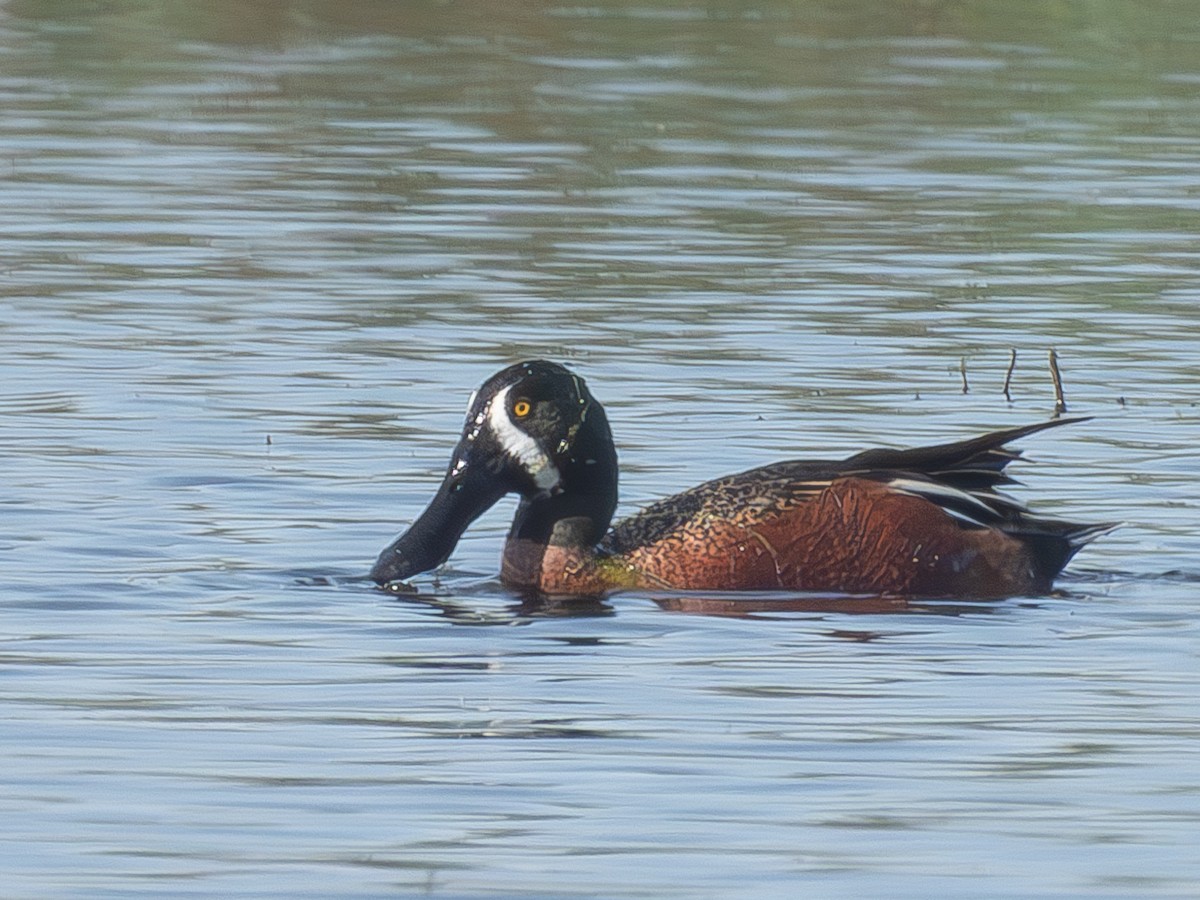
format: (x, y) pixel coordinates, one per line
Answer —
(532, 429)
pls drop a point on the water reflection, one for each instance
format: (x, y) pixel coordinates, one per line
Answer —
(750, 607)
(476, 605)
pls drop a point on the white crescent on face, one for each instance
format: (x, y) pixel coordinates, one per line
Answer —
(521, 447)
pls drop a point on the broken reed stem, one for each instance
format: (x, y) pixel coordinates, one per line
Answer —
(1060, 403)
(1012, 364)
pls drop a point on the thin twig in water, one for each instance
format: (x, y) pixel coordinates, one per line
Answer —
(1012, 364)
(1060, 403)
(962, 370)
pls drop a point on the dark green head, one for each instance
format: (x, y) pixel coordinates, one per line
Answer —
(532, 429)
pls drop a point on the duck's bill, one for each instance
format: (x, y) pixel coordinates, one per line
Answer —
(468, 491)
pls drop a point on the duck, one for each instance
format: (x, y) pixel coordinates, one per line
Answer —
(923, 522)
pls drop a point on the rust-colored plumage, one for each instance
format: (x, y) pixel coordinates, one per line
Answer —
(855, 536)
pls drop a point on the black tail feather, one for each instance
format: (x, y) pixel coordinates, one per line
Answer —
(979, 455)
(1053, 542)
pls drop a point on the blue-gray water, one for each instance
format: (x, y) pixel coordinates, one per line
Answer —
(254, 257)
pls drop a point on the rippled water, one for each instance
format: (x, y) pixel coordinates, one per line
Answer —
(255, 257)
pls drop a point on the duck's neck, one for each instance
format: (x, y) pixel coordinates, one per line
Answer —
(567, 525)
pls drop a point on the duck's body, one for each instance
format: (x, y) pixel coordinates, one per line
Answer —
(923, 522)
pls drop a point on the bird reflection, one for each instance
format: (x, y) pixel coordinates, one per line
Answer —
(475, 605)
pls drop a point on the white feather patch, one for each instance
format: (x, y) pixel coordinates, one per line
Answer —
(521, 447)
(942, 495)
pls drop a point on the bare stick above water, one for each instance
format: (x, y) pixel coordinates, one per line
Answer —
(1012, 364)
(962, 370)
(1060, 403)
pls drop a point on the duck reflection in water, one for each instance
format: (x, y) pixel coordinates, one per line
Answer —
(462, 609)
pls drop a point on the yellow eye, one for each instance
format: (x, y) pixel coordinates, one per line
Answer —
(521, 409)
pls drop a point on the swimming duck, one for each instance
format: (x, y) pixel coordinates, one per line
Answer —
(924, 522)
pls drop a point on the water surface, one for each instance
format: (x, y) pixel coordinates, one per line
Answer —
(255, 258)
